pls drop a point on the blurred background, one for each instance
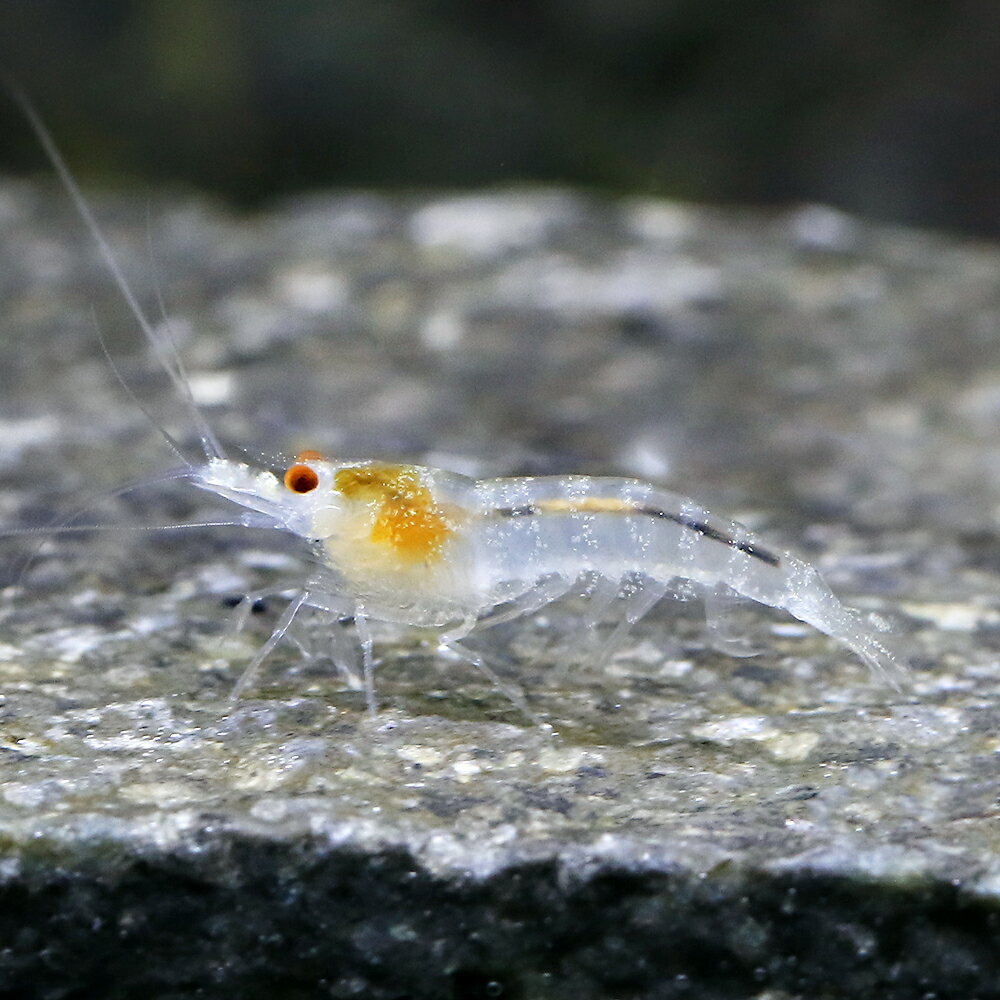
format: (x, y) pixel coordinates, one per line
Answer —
(888, 108)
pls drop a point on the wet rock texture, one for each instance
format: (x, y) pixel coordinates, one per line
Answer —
(696, 826)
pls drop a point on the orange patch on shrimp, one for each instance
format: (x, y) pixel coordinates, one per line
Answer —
(415, 532)
(407, 519)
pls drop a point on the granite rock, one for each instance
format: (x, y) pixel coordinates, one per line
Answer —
(692, 825)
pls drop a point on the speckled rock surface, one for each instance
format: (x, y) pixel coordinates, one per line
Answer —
(699, 826)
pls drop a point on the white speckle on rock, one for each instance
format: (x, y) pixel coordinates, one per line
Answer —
(218, 578)
(663, 222)
(485, 225)
(148, 624)
(631, 281)
(675, 669)
(70, 644)
(262, 559)
(442, 330)
(823, 228)
(647, 458)
(952, 617)
(161, 793)
(739, 727)
(17, 436)
(423, 755)
(312, 287)
(24, 794)
(466, 769)
(269, 810)
(211, 388)
(792, 746)
(127, 676)
(645, 652)
(560, 759)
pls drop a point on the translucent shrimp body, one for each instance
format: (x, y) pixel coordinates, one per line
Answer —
(419, 546)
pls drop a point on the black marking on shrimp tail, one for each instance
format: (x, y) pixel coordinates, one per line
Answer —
(715, 534)
(526, 511)
(702, 527)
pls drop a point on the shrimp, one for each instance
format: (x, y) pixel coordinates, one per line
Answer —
(417, 546)
(408, 545)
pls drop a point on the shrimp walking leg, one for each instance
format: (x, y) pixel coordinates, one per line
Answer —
(645, 593)
(367, 657)
(344, 652)
(284, 622)
(601, 592)
(247, 604)
(513, 694)
(726, 614)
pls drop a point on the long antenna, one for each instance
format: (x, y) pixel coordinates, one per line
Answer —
(130, 392)
(69, 529)
(166, 353)
(88, 504)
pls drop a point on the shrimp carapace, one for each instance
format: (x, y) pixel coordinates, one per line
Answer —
(407, 518)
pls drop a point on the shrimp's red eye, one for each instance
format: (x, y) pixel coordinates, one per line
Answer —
(301, 479)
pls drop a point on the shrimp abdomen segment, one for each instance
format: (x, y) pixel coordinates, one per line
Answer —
(532, 528)
(616, 527)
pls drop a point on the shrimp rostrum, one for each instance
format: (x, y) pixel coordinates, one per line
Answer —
(415, 546)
